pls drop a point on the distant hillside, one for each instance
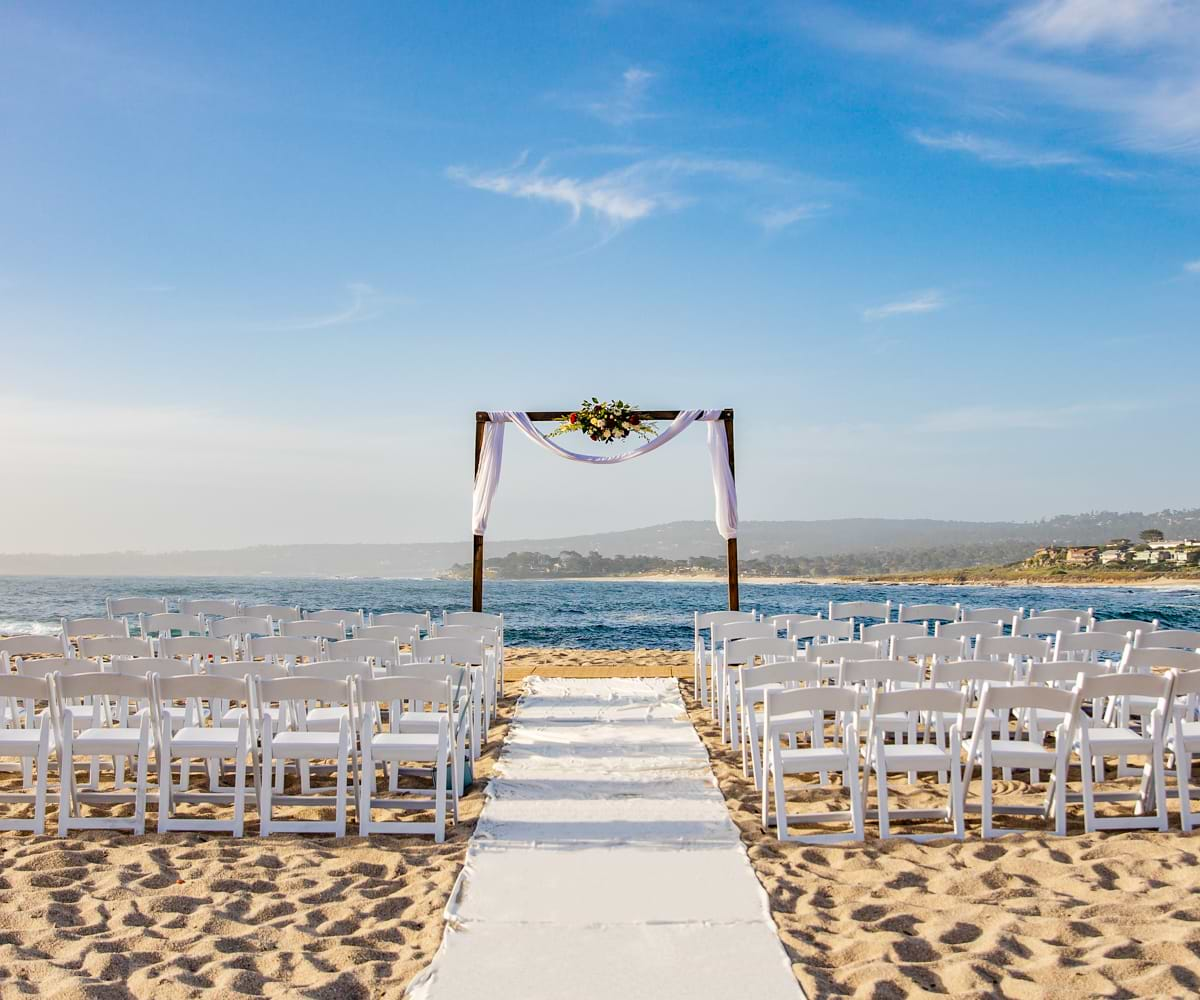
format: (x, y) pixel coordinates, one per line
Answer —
(676, 540)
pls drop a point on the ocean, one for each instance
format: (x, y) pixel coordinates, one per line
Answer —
(593, 614)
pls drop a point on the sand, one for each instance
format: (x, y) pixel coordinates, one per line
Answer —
(183, 915)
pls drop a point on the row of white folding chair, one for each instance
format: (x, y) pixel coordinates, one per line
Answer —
(703, 648)
(790, 712)
(484, 621)
(178, 732)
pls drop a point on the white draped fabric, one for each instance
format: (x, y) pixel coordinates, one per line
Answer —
(487, 479)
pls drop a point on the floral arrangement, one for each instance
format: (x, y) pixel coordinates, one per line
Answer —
(607, 422)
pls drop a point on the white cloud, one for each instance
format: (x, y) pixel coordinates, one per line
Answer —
(1080, 23)
(626, 104)
(781, 218)
(1192, 267)
(366, 303)
(923, 302)
(1004, 154)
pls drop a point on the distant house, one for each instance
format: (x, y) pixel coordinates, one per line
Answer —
(1083, 555)
(1110, 557)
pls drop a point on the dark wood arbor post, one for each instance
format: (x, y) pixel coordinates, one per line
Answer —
(481, 418)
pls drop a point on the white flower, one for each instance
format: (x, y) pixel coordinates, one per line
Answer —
(608, 434)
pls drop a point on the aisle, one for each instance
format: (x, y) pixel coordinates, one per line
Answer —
(605, 864)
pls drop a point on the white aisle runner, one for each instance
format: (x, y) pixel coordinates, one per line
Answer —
(605, 864)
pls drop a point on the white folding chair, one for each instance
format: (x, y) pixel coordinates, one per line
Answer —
(739, 653)
(104, 649)
(1045, 625)
(283, 649)
(300, 743)
(723, 633)
(1004, 747)
(319, 717)
(383, 654)
(753, 685)
(204, 695)
(702, 663)
(1098, 740)
(928, 614)
(968, 631)
(463, 652)
(98, 739)
(783, 623)
(125, 711)
(166, 623)
(788, 712)
(1134, 710)
(33, 645)
(419, 620)
(1085, 616)
(205, 648)
(347, 619)
(915, 755)
(1022, 651)
(78, 713)
(228, 715)
(29, 744)
(493, 649)
(240, 628)
(1091, 647)
(969, 677)
(1168, 638)
(928, 650)
(858, 610)
(1005, 616)
(819, 632)
(402, 744)
(1183, 740)
(865, 675)
(76, 628)
(1126, 626)
(885, 633)
(402, 634)
(276, 612)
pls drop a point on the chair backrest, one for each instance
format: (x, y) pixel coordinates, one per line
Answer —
(106, 685)
(1124, 685)
(739, 651)
(886, 632)
(871, 673)
(211, 688)
(283, 646)
(1045, 625)
(784, 622)
(300, 689)
(247, 668)
(196, 645)
(475, 618)
(781, 672)
(144, 666)
(404, 619)
(32, 645)
(1066, 644)
(167, 622)
(1125, 626)
(72, 627)
(788, 707)
(860, 609)
(240, 625)
(742, 630)
(929, 612)
(966, 630)
(1021, 646)
(1086, 615)
(1169, 638)
(831, 652)
(1187, 683)
(489, 635)
(972, 674)
(928, 646)
(333, 669)
(348, 618)
(107, 646)
(941, 701)
(707, 619)
(1065, 673)
(383, 651)
(421, 690)
(449, 650)
(210, 607)
(14, 686)
(119, 606)
(1001, 699)
(276, 612)
(994, 614)
(1144, 659)
(820, 630)
(44, 666)
(311, 629)
(403, 634)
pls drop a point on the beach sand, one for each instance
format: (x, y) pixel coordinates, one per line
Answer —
(185, 915)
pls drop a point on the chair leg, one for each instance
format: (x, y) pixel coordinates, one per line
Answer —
(439, 796)
(1183, 774)
(1089, 805)
(1160, 788)
(985, 787)
(343, 765)
(42, 787)
(239, 786)
(366, 789)
(139, 809)
(781, 816)
(881, 791)
(957, 794)
(850, 779)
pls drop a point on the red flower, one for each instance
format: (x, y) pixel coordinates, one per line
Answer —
(574, 417)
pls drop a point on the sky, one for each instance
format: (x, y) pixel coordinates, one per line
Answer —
(260, 264)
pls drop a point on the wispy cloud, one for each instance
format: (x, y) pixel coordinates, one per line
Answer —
(1078, 24)
(1146, 103)
(626, 104)
(645, 187)
(923, 302)
(365, 303)
(1006, 154)
(780, 218)
(1192, 267)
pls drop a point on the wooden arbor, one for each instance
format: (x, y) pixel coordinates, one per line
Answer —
(481, 418)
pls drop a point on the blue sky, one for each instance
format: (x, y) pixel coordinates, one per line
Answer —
(261, 263)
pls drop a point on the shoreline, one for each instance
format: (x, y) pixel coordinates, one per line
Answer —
(1153, 583)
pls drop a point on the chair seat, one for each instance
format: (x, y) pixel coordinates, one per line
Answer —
(788, 722)
(18, 740)
(1047, 718)
(1021, 753)
(916, 757)
(309, 744)
(813, 759)
(404, 746)
(326, 718)
(202, 739)
(107, 741)
(1191, 736)
(1115, 740)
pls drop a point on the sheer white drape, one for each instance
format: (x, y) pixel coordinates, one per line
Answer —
(487, 479)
